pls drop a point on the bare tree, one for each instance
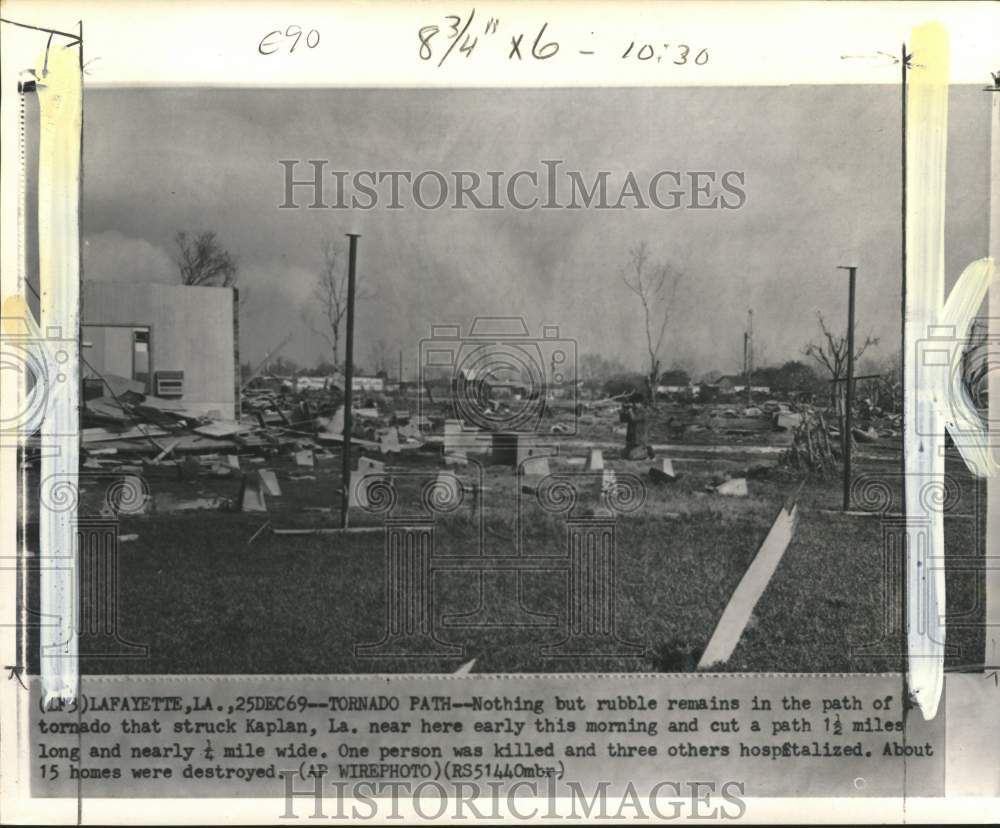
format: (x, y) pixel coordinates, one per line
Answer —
(831, 353)
(329, 307)
(656, 284)
(203, 261)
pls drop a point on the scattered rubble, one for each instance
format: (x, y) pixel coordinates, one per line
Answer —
(285, 438)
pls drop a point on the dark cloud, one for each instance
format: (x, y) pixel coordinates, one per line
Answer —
(822, 179)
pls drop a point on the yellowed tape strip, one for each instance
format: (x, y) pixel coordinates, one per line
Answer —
(934, 334)
(60, 96)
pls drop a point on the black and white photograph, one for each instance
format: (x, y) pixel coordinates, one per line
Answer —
(592, 294)
(538, 387)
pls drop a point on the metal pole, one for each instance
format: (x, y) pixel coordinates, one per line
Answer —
(345, 469)
(849, 402)
(903, 575)
(746, 363)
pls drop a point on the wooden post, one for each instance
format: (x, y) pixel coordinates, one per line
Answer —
(345, 468)
(904, 599)
(849, 395)
(748, 348)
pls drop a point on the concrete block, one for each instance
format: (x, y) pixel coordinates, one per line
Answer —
(269, 482)
(737, 487)
(535, 467)
(252, 495)
(664, 473)
(367, 465)
(389, 441)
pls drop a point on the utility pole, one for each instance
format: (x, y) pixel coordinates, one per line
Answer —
(903, 588)
(748, 354)
(345, 468)
(849, 402)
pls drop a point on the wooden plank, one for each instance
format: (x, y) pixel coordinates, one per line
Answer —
(749, 590)
(166, 451)
(102, 435)
(327, 531)
(325, 437)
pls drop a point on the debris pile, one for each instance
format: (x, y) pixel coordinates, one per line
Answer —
(126, 431)
(812, 448)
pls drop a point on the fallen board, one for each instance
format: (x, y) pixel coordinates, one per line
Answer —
(751, 586)
(104, 435)
(326, 437)
(187, 443)
(326, 530)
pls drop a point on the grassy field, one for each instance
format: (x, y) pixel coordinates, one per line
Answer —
(207, 601)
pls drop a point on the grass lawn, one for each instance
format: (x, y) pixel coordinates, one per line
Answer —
(205, 601)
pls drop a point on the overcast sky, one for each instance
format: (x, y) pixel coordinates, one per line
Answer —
(822, 186)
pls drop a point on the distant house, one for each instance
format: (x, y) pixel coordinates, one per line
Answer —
(180, 342)
(730, 384)
(313, 383)
(368, 383)
(737, 384)
(361, 382)
(675, 390)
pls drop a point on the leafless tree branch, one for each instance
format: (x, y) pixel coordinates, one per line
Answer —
(656, 286)
(203, 261)
(329, 307)
(831, 351)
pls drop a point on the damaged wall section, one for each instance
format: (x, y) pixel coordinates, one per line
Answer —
(140, 331)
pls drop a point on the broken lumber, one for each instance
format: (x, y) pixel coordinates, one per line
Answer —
(326, 530)
(751, 587)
